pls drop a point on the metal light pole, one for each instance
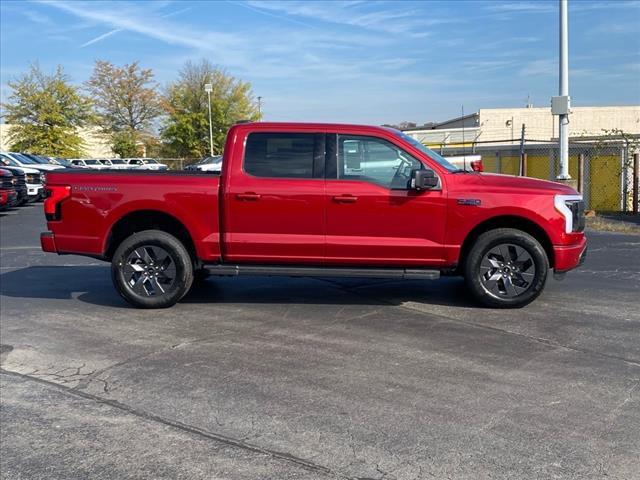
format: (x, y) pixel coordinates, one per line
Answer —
(260, 107)
(209, 88)
(560, 105)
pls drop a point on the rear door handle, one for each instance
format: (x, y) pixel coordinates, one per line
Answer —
(248, 197)
(345, 199)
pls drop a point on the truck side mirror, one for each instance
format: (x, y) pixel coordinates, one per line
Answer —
(423, 179)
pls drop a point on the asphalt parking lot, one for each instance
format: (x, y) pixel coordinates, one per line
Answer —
(275, 378)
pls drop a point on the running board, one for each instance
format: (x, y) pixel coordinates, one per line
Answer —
(297, 271)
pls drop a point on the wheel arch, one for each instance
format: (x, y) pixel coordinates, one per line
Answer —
(147, 219)
(508, 221)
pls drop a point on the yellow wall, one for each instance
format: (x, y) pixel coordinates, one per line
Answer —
(603, 180)
(604, 177)
(538, 166)
(510, 164)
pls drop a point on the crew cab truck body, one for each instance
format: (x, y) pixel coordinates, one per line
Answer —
(318, 200)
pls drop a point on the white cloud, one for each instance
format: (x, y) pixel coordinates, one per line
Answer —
(37, 17)
(524, 7)
(618, 28)
(101, 37)
(411, 22)
(542, 67)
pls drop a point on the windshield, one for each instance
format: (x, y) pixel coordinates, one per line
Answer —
(7, 160)
(92, 162)
(63, 162)
(22, 159)
(35, 158)
(430, 153)
(105, 162)
(149, 160)
(118, 162)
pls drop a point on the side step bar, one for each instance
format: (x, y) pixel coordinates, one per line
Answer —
(298, 271)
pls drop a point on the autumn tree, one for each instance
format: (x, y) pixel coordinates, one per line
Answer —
(127, 103)
(45, 111)
(185, 130)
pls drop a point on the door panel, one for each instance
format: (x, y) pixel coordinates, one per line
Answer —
(372, 218)
(275, 214)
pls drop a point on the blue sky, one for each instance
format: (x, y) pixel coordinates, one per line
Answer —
(349, 61)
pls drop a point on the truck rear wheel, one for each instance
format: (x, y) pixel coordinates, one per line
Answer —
(152, 269)
(506, 268)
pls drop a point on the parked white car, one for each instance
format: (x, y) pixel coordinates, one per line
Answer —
(208, 164)
(34, 179)
(114, 163)
(26, 162)
(87, 163)
(146, 164)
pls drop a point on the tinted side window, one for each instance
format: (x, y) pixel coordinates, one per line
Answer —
(374, 160)
(280, 155)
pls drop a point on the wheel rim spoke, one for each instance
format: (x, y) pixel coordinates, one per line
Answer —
(507, 270)
(509, 287)
(149, 271)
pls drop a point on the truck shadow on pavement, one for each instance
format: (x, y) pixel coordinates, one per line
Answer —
(92, 284)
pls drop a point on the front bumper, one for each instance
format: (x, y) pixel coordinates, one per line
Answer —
(568, 257)
(48, 242)
(12, 199)
(35, 192)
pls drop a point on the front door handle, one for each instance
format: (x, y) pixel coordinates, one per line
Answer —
(248, 197)
(345, 199)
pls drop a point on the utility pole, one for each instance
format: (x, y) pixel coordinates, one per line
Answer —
(523, 155)
(208, 88)
(464, 149)
(560, 105)
(260, 107)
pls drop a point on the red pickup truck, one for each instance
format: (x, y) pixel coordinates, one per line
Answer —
(322, 200)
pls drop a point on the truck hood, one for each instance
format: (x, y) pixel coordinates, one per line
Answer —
(500, 181)
(46, 168)
(22, 169)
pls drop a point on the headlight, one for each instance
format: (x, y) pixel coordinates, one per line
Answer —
(571, 207)
(43, 177)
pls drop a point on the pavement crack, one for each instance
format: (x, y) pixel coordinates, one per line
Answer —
(191, 429)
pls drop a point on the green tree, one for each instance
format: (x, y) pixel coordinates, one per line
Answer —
(45, 111)
(126, 102)
(186, 127)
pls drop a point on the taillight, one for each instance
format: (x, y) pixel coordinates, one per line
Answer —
(477, 166)
(55, 194)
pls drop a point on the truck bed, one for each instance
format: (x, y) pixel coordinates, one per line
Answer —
(100, 200)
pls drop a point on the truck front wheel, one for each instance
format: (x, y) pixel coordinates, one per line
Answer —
(506, 268)
(152, 269)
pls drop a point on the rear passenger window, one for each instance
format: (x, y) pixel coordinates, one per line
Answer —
(280, 155)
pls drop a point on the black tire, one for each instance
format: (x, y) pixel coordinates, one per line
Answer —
(511, 280)
(152, 269)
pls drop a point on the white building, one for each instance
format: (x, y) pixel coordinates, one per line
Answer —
(505, 124)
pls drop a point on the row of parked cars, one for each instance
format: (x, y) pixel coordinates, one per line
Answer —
(207, 164)
(118, 163)
(22, 175)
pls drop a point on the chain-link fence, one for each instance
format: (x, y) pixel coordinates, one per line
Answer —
(603, 169)
(177, 163)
